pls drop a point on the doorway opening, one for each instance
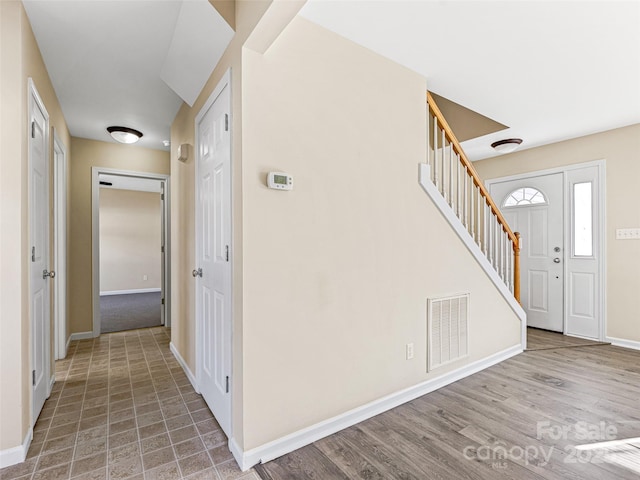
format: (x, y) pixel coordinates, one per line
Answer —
(560, 215)
(130, 250)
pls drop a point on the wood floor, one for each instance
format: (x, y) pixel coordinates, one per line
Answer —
(538, 339)
(521, 419)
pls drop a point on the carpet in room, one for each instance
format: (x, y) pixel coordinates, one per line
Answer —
(128, 312)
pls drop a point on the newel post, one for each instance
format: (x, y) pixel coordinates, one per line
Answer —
(516, 267)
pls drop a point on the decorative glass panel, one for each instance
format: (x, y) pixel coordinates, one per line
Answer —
(582, 220)
(524, 196)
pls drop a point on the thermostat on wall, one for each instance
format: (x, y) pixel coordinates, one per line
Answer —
(280, 181)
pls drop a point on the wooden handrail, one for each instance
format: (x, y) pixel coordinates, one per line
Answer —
(465, 161)
(514, 237)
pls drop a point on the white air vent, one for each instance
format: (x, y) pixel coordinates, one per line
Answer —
(447, 330)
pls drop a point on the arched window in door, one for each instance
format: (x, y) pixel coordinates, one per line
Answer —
(524, 196)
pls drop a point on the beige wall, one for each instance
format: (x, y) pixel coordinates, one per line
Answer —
(85, 155)
(247, 15)
(620, 149)
(130, 240)
(337, 272)
(19, 59)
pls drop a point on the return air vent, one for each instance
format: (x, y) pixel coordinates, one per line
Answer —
(447, 330)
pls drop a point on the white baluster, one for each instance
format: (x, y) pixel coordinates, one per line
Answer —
(479, 216)
(442, 159)
(458, 185)
(435, 152)
(471, 209)
(464, 197)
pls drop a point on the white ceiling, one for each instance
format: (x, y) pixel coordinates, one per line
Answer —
(549, 70)
(105, 59)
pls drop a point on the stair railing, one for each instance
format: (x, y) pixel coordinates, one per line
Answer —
(458, 182)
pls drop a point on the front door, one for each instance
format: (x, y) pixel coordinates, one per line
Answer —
(39, 255)
(213, 267)
(534, 207)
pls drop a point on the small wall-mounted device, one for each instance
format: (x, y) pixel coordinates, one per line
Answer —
(183, 152)
(280, 181)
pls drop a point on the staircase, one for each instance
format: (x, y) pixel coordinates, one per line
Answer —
(450, 180)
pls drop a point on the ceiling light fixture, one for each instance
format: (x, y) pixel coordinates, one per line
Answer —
(506, 146)
(166, 143)
(124, 134)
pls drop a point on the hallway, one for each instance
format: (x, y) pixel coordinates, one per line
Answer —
(122, 408)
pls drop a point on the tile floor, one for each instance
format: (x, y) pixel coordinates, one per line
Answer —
(122, 408)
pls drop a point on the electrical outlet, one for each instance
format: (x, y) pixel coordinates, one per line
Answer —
(628, 234)
(144, 277)
(409, 351)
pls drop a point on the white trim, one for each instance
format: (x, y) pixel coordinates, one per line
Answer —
(602, 218)
(80, 336)
(52, 380)
(69, 341)
(95, 237)
(130, 292)
(60, 245)
(621, 342)
(185, 367)
(293, 441)
(12, 456)
(449, 215)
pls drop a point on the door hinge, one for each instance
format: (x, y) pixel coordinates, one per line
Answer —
(33, 129)
(226, 252)
(226, 122)
(162, 196)
(163, 301)
(227, 383)
(162, 249)
(33, 254)
(33, 378)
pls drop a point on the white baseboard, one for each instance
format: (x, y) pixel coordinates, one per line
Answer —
(127, 292)
(185, 367)
(293, 441)
(18, 454)
(621, 342)
(79, 336)
(66, 349)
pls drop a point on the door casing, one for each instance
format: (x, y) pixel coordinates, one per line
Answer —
(61, 339)
(95, 240)
(599, 235)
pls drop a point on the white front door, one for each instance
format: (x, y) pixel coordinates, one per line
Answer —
(39, 254)
(534, 207)
(213, 267)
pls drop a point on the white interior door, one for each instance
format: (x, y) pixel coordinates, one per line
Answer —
(213, 267)
(535, 207)
(39, 235)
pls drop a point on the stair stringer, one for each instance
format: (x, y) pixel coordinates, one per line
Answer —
(447, 212)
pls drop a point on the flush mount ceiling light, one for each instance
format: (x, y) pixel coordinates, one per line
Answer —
(506, 146)
(124, 134)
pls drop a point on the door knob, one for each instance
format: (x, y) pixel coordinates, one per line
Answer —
(197, 273)
(556, 260)
(46, 274)
(557, 249)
